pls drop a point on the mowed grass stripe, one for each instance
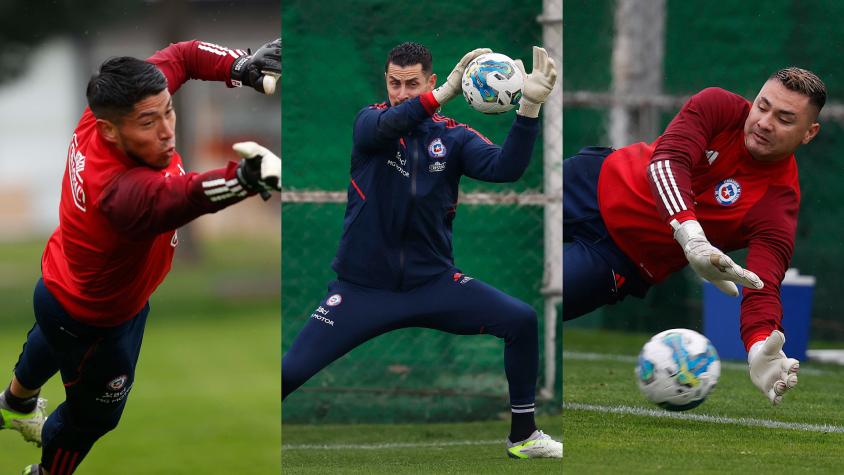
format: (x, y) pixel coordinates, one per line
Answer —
(742, 421)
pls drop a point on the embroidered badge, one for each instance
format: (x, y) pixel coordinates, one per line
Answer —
(727, 192)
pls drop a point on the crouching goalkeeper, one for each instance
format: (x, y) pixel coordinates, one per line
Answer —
(394, 264)
(123, 196)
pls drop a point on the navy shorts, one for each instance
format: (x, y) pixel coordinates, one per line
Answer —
(595, 271)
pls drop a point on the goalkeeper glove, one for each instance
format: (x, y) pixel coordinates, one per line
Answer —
(709, 262)
(770, 370)
(259, 169)
(452, 85)
(538, 84)
(259, 70)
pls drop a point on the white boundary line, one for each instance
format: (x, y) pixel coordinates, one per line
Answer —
(742, 421)
(732, 365)
(397, 445)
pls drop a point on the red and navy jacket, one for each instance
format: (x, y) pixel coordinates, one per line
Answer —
(117, 218)
(700, 169)
(407, 162)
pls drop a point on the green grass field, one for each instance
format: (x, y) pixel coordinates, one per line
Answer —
(598, 378)
(207, 392)
(470, 448)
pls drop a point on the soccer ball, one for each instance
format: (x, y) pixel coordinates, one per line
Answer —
(677, 369)
(492, 83)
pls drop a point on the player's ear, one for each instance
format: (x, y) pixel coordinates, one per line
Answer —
(108, 131)
(432, 81)
(811, 133)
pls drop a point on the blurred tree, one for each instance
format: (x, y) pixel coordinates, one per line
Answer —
(25, 24)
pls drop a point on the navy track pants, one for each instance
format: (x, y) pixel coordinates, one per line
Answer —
(350, 315)
(595, 271)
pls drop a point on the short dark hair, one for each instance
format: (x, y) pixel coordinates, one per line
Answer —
(120, 84)
(408, 54)
(803, 81)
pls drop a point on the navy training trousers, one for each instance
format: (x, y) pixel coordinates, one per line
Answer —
(350, 315)
(595, 271)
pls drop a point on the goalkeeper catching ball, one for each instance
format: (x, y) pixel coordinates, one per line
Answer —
(394, 264)
(124, 194)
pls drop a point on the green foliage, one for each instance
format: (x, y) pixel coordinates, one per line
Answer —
(24, 25)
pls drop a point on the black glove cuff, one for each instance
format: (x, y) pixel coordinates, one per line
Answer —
(238, 72)
(249, 174)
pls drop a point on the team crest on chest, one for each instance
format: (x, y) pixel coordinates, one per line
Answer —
(727, 192)
(436, 149)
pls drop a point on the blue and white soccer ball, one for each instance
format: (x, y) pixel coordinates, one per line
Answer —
(492, 83)
(677, 369)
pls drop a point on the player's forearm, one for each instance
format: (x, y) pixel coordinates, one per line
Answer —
(143, 204)
(507, 164)
(195, 60)
(670, 180)
(771, 226)
(376, 126)
(760, 314)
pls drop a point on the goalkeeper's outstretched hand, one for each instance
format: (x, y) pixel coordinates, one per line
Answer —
(709, 262)
(259, 169)
(538, 84)
(452, 85)
(770, 370)
(260, 70)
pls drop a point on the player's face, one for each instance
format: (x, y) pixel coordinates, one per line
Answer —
(407, 82)
(780, 120)
(148, 133)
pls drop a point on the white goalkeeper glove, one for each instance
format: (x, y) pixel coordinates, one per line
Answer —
(259, 169)
(452, 85)
(770, 370)
(538, 83)
(709, 262)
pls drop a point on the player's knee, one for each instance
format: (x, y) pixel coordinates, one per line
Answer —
(108, 425)
(92, 428)
(105, 424)
(524, 319)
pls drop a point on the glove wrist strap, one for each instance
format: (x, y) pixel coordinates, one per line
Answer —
(238, 69)
(528, 108)
(754, 350)
(443, 94)
(687, 231)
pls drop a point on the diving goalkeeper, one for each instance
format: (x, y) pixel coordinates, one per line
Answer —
(124, 194)
(723, 176)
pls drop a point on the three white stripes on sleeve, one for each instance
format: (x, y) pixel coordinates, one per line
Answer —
(221, 189)
(663, 178)
(220, 50)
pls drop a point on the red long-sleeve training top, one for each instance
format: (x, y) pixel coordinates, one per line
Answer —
(700, 169)
(117, 218)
